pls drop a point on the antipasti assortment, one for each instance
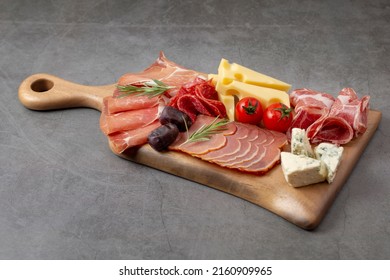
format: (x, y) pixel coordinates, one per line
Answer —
(237, 118)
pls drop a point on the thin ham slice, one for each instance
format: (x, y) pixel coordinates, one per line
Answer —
(123, 140)
(113, 105)
(330, 129)
(232, 147)
(164, 70)
(247, 151)
(216, 141)
(128, 120)
(303, 97)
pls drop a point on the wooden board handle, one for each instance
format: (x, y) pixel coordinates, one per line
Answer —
(47, 92)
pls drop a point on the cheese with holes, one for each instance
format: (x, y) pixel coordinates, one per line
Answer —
(235, 82)
(330, 155)
(300, 144)
(300, 170)
(240, 73)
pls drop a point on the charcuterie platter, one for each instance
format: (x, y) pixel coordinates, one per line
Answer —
(304, 207)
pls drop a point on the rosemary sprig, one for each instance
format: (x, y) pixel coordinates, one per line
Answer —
(150, 89)
(205, 132)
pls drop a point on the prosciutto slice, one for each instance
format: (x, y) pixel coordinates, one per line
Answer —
(242, 147)
(123, 140)
(335, 130)
(128, 120)
(113, 105)
(164, 70)
(303, 97)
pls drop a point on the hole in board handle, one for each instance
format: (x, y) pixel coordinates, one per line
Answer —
(42, 85)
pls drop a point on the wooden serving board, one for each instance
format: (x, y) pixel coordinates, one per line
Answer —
(304, 207)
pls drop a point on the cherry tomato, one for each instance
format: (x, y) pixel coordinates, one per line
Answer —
(249, 110)
(277, 116)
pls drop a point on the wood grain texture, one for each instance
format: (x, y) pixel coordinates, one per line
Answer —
(304, 207)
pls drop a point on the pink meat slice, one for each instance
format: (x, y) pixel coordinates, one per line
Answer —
(113, 105)
(247, 151)
(262, 145)
(304, 97)
(215, 142)
(128, 120)
(232, 147)
(164, 70)
(123, 140)
(268, 158)
(330, 129)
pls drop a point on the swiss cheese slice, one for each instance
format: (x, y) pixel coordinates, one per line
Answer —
(240, 73)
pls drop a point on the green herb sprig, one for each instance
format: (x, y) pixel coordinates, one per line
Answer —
(150, 89)
(205, 132)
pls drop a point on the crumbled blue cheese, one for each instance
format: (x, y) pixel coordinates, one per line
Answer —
(330, 155)
(300, 144)
(300, 170)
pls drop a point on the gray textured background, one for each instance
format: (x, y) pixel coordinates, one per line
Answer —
(64, 195)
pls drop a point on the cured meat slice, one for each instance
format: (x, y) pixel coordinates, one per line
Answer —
(348, 106)
(305, 97)
(112, 105)
(267, 155)
(216, 141)
(164, 70)
(266, 160)
(232, 147)
(128, 120)
(330, 129)
(247, 151)
(123, 140)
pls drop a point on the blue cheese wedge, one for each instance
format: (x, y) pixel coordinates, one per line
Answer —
(300, 144)
(300, 170)
(330, 155)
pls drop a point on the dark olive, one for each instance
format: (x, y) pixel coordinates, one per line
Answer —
(163, 136)
(175, 116)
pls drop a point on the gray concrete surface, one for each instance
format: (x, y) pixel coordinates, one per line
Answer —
(64, 195)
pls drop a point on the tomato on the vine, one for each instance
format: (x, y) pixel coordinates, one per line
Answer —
(278, 116)
(249, 110)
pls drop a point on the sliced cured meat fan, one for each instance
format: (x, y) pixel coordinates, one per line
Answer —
(247, 148)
